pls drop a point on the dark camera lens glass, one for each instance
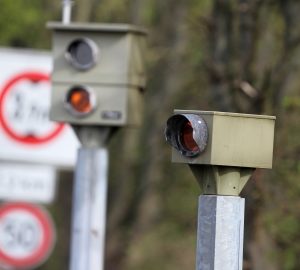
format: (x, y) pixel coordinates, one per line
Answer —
(82, 53)
(187, 133)
(187, 139)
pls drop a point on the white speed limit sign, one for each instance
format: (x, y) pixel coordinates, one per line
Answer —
(26, 133)
(26, 235)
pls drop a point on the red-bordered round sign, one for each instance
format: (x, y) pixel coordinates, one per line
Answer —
(27, 235)
(9, 130)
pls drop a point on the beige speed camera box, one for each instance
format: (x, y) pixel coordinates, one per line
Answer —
(105, 59)
(240, 140)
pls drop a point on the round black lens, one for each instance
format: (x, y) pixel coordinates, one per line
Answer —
(186, 138)
(82, 53)
(188, 133)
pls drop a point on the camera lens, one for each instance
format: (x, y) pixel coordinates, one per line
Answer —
(188, 133)
(186, 138)
(82, 53)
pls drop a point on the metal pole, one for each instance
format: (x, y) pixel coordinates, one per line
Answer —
(89, 210)
(67, 10)
(220, 233)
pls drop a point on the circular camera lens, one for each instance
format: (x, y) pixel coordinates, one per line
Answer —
(80, 101)
(82, 53)
(188, 133)
(187, 139)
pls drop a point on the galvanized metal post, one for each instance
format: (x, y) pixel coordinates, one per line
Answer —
(220, 233)
(67, 10)
(89, 210)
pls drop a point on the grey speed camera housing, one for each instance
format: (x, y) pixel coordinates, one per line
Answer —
(99, 63)
(222, 149)
(225, 139)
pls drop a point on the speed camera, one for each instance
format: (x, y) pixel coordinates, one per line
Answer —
(98, 73)
(219, 138)
(222, 149)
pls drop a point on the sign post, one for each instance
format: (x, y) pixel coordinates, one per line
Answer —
(89, 210)
(220, 234)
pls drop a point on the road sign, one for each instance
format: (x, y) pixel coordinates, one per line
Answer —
(23, 109)
(26, 134)
(28, 183)
(26, 235)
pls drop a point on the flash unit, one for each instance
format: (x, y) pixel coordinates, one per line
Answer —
(188, 133)
(80, 101)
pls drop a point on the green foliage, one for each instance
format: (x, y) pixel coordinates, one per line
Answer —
(111, 11)
(290, 103)
(22, 23)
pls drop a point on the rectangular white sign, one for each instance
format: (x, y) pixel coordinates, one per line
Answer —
(29, 183)
(26, 133)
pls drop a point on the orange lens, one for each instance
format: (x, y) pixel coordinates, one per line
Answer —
(80, 101)
(187, 139)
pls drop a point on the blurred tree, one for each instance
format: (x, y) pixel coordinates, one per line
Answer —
(252, 64)
(22, 23)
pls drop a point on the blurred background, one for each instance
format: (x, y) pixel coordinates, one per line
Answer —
(238, 56)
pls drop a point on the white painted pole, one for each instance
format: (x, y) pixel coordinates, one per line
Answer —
(89, 210)
(67, 11)
(220, 233)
